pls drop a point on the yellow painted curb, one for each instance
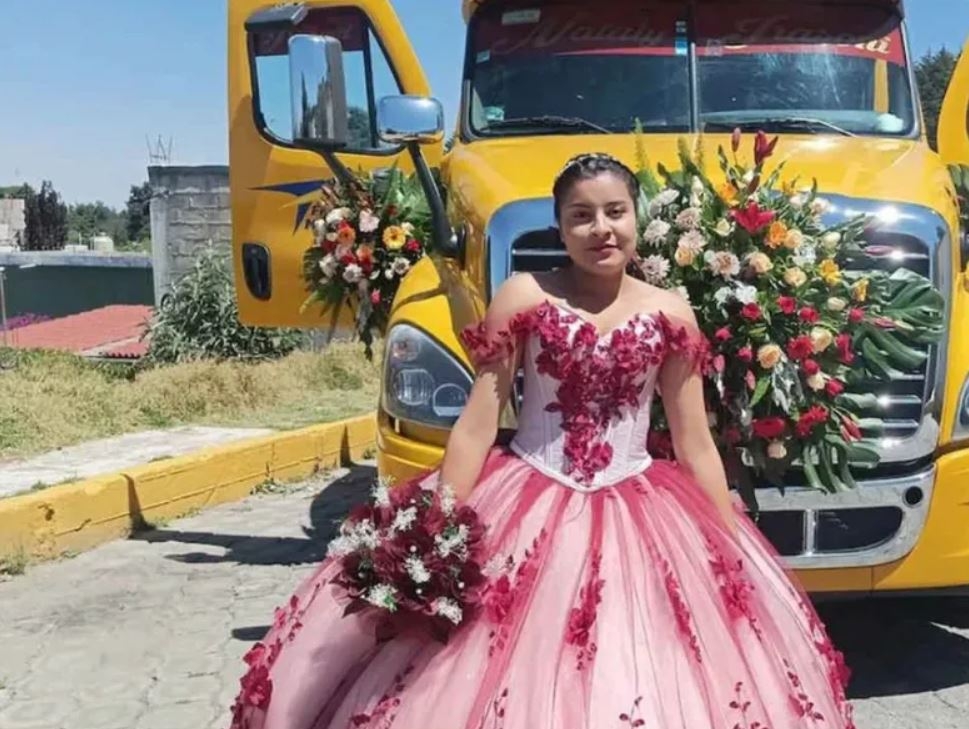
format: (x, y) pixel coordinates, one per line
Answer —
(79, 515)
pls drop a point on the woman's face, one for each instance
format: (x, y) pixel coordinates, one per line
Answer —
(597, 221)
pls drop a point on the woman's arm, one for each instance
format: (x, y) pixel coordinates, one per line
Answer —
(474, 433)
(681, 385)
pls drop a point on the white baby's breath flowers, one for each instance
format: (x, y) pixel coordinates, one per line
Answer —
(382, 596)
(417, 570)
(447, 608)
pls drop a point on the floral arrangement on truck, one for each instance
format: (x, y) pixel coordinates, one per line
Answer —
(797, 338)
(368, 232)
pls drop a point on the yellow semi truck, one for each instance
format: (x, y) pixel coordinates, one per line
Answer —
(545, 79)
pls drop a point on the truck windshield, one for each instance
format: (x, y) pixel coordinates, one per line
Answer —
(574, 67)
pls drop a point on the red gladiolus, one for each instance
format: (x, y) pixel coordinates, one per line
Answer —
(769, 428)
(856, 315)
(845, 352)
(763, 147)
(751, 312)
(884, 322)
(723, 334)
(752, 218)
(834, 388)
(745, 354)
(751, 380)
(375, 297)
(719, 363)
(850, 430)
(412, 246)
(800, 348)
(810, 367)
(816, 415)
(809, 315)
(787, 304)
(735, 139)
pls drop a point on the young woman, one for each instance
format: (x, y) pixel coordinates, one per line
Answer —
(635, 593)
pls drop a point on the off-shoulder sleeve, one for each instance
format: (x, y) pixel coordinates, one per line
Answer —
(487, 344)
(686, 345)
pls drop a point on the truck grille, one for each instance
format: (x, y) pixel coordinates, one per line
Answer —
(901, 399)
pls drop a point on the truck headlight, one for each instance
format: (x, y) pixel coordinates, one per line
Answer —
(423, 382)
(961, 429)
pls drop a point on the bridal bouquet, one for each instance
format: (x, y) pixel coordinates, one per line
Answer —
(800, 338)
(368, 234)
(412, 555)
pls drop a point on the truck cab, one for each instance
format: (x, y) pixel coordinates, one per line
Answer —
(546, 79)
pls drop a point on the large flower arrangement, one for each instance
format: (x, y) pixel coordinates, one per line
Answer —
(368, 233)
(797, 339)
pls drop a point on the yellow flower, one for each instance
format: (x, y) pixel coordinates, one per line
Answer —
(760, 263)
(395, 237)
(816, 382)
(794, 239)
(795, 277)
(728, 193)
(830, 272)
(777, 234)
(860, 290)
(821, 339)
(768, 356)
(684, 256)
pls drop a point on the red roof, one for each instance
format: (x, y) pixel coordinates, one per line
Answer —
(100, 332)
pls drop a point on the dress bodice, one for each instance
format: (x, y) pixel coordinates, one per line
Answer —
(585, 413)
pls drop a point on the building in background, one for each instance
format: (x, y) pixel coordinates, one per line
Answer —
(12, 222)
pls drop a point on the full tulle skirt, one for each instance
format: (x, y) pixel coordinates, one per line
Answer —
(630, 606)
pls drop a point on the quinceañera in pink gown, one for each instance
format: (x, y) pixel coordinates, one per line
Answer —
(620, 599)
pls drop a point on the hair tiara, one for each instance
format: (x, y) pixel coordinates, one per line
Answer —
(585, 158)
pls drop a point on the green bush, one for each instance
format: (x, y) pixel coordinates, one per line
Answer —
(199, 319)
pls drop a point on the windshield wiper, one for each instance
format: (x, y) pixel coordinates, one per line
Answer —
(784, 124)
(548, 121)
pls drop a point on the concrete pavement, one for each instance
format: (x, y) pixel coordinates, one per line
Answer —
(149, 632)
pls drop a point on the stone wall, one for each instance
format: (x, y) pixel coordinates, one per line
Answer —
(12, 222)
(189, 209)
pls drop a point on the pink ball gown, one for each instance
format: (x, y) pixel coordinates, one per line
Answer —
(620, 600)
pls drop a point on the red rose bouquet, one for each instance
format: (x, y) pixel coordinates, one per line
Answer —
(412, 555)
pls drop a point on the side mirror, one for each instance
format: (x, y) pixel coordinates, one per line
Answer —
(403, 119)
(318, 92)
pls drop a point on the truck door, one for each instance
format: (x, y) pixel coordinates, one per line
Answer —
(272, 183)
(953, 139)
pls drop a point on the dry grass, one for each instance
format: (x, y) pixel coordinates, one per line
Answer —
(50, 400)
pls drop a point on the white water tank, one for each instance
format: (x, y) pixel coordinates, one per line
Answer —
(102, 242)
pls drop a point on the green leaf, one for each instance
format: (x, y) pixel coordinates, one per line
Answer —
(763, 384)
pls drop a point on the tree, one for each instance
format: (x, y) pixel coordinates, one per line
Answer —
(358, 129)
(138, 213)
(46, 219)
(933, 72)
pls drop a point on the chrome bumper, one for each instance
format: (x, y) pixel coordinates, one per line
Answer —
(911, 495)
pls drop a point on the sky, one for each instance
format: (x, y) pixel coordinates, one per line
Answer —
(81, 91)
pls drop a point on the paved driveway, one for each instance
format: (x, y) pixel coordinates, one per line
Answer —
(148, 633)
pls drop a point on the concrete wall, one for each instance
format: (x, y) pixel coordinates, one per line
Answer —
(12, 222)
(189, 209)
(59, 283)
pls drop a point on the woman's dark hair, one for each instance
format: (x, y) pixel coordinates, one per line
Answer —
(587, 167)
